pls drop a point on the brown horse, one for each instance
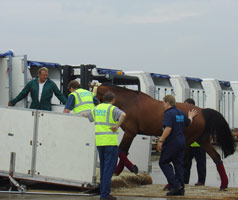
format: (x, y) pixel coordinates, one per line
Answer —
(145, 115)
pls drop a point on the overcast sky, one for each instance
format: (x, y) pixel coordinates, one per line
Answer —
(195, 38)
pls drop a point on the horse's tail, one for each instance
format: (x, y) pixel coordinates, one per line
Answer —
(218, 127)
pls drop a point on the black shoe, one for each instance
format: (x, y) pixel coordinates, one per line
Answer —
(179, 191)
(112, 197)
(109, 198)
(134, 169)
(199, 184)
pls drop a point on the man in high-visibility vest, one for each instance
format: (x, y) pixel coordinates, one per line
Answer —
(79, 100)
(195, 151)
(107, 119)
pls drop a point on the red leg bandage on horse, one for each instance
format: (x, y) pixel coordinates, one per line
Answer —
(119, 168)
(124, 159)
(222, 172)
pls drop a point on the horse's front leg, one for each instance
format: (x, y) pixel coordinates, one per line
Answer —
(123, 153)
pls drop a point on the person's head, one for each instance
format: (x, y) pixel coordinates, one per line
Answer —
(42, 74)
(190, 101)
(73, 85)
(109, 97)
(169, 101)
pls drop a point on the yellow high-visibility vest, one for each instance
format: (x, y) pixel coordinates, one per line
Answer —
(83, 100)
(103, 119)
(195, 144)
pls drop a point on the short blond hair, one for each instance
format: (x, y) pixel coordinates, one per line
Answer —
(170, 99)
(42, 69)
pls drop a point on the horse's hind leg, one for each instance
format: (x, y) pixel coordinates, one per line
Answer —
(123, 153)
(207, 146)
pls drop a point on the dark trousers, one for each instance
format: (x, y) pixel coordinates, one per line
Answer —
(108, 156)
(174, 173)
(200, 156)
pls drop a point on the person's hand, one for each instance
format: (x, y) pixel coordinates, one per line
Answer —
(159, 146)
(192, 113)
(9, 104)
(114, 128)
(85, 114)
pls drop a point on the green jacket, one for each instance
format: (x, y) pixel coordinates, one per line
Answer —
(47, 94)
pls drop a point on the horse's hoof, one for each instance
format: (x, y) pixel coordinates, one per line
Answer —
(167, 187)
(134, 169)
(223, 189)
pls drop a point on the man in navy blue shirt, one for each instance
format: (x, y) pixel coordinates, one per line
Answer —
(172, 144)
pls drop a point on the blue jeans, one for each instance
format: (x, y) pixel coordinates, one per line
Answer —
(108, 156)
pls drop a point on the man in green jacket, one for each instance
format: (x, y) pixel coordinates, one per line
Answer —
(41, 89)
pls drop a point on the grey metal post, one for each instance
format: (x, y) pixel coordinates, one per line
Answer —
(198, 98)
(12, 163)
(34, 142)
(203, 99)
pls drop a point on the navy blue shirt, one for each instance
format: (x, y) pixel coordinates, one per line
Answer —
(176, 120)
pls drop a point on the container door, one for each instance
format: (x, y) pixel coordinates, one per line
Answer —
(66, 148)
(16, 135)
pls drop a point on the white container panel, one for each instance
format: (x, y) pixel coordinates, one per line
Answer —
(227, 107)
(66, 147)
(18, 79)
(59, 108)
(161, 92)
(140, 151)
(198, 96)
(213, 94)
(234, 85)
(146, 82)
(181, 87)
(4, 81)
(16, 134)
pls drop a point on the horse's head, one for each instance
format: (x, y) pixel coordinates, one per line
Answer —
(99, 90)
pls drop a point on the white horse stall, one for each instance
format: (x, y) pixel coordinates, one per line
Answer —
(12, 78)
(146, 82)
(154, 84)
(162, 86)
(49, 147)
(188, 87)
(4, 81)
(220, 96)
(197, 92)
(234, 85)
(181, 87)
